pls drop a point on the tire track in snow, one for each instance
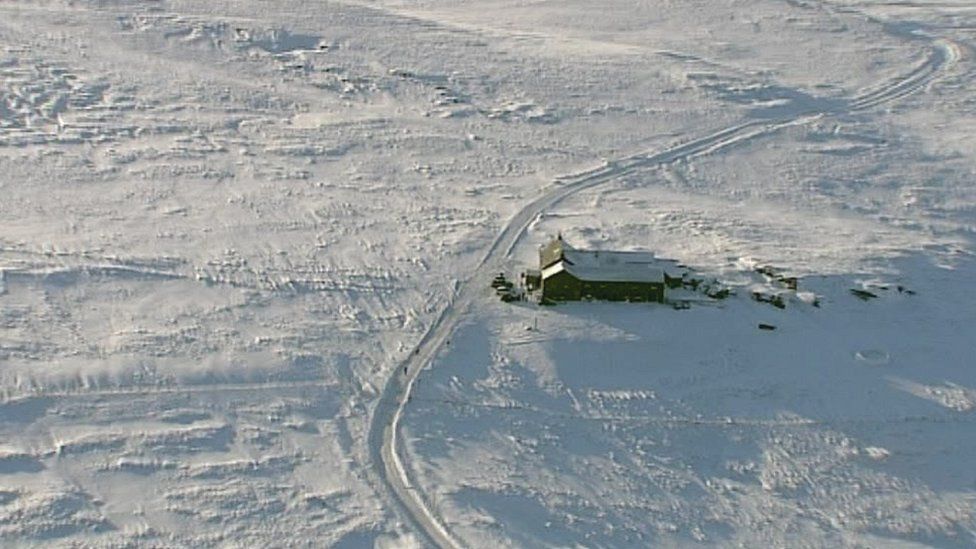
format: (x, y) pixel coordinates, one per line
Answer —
(383, 438)
(384, 451)
(944, 54)
(383, 434)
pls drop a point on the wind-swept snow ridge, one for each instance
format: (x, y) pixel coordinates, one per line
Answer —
(383, 435)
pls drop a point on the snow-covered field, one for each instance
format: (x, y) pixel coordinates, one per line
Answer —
(226, 228)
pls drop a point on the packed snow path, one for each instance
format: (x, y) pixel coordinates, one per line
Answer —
(383, 434)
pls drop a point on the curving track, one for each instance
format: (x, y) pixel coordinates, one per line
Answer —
(384, 451)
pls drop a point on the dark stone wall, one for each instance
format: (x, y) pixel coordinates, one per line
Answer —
(561, 287)
(623, 291)
(566, 287)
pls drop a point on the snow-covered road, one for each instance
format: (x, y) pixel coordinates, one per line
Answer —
(244, 255)
(384, 449)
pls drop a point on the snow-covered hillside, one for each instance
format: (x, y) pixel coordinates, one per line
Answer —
(245, 249)
(616, 425)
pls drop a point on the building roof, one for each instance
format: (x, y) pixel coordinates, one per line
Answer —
(605, 267)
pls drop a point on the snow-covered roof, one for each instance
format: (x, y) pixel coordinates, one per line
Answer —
(609, 266)
(556, 267)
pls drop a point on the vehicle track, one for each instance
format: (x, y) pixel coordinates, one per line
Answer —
(943, 55)
(383, 435)
(384, 451)
(383, 438)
